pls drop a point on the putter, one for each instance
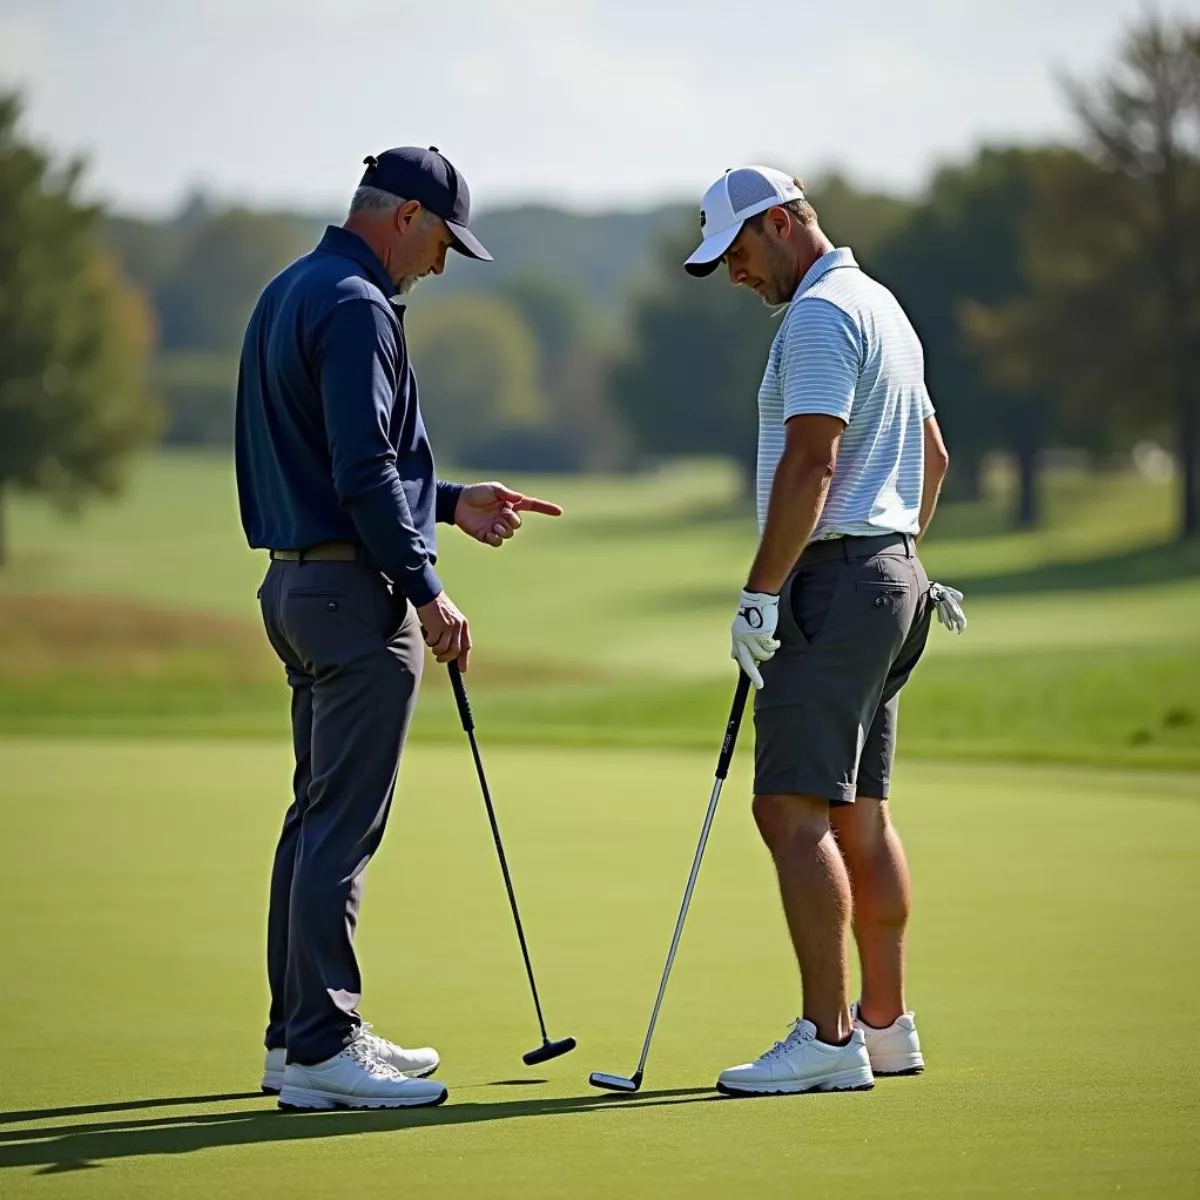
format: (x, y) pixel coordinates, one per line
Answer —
(548, 1049)
(618, 1083)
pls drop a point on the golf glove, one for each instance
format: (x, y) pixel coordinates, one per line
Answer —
(753, 632)
(948, 603)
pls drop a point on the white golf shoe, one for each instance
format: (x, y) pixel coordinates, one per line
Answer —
(801, 1063)
(272, 1076)
(355, 1078)
(895, 1050)
(415, 1063)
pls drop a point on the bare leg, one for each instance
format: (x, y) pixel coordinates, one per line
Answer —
(882, 892)
(815, 890)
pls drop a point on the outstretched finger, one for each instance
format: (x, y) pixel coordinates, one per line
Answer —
(534, 505)
(523, 503)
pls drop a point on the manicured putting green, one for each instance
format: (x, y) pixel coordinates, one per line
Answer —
(1054, 973)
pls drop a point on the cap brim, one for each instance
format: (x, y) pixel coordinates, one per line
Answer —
(465, 242)
(707, 256)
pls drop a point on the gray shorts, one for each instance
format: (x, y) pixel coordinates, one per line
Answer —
(853, 619)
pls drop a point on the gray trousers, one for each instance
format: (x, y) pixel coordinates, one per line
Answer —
(353, 653)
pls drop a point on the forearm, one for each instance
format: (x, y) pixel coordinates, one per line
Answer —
(384, 522)
(931, 489)
(797, 500)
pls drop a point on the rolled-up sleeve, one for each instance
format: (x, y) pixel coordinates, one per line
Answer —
(360, 364)
(820, 360)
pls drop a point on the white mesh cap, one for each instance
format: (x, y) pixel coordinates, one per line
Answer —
(737, 195)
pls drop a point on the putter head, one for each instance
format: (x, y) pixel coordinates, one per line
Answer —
(615, 1083)
(548, 1050)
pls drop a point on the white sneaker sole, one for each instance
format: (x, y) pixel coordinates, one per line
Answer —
(858, 1080)
(272, 1081)
(899, 1064)
(294, 1099)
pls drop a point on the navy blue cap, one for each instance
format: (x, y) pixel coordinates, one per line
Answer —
(414, 173)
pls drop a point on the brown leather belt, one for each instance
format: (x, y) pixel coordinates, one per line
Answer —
(321, 552)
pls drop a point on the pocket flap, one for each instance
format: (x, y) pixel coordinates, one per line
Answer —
(881, 585)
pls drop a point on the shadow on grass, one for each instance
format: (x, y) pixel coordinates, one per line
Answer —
(1162, 562)
(83, 1110)
(85, 1147)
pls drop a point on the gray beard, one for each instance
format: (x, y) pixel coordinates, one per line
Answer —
(406, 283)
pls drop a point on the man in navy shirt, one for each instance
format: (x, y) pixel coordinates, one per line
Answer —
(336, 479)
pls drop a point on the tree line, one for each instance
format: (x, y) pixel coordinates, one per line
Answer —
(1056, 290)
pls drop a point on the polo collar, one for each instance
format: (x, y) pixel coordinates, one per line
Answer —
(345, 244)
(843, 256)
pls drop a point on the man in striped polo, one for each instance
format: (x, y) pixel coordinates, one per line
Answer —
(833, 619)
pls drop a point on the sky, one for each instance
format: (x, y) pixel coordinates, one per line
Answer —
(593, 104)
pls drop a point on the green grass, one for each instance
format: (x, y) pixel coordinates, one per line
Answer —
(608, 627)
(1053, 949)
(1053, 971)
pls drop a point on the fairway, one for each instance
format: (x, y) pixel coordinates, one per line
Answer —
(1053, 968)
(609, 626)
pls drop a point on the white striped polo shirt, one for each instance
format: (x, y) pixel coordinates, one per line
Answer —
(846, 349)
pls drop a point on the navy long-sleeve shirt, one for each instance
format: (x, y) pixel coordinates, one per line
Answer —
(330, 444)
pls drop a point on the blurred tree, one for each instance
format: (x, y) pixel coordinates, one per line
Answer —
(689, 377)
(852, 217)
(223, 265)
(688, 381)
(477, 363)
(961, 250)
(74, 337)
(204, 268)
(553, 307)
(599, 254)
(582, 430)
(1112, 253)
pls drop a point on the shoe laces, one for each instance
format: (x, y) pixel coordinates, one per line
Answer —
(798, 1033)
(364, 1032)
(363, 1051)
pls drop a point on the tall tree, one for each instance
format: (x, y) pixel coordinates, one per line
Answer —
(962, 250)
(74, 338)
(1143, 121)
(1111, 322)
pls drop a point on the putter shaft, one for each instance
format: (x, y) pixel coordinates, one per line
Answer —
(548, 1049)
(617, 1082)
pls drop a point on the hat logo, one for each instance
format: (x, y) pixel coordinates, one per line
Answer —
(703, 218)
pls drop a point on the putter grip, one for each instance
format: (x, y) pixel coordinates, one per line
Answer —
(460, 697)
(734, 722)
